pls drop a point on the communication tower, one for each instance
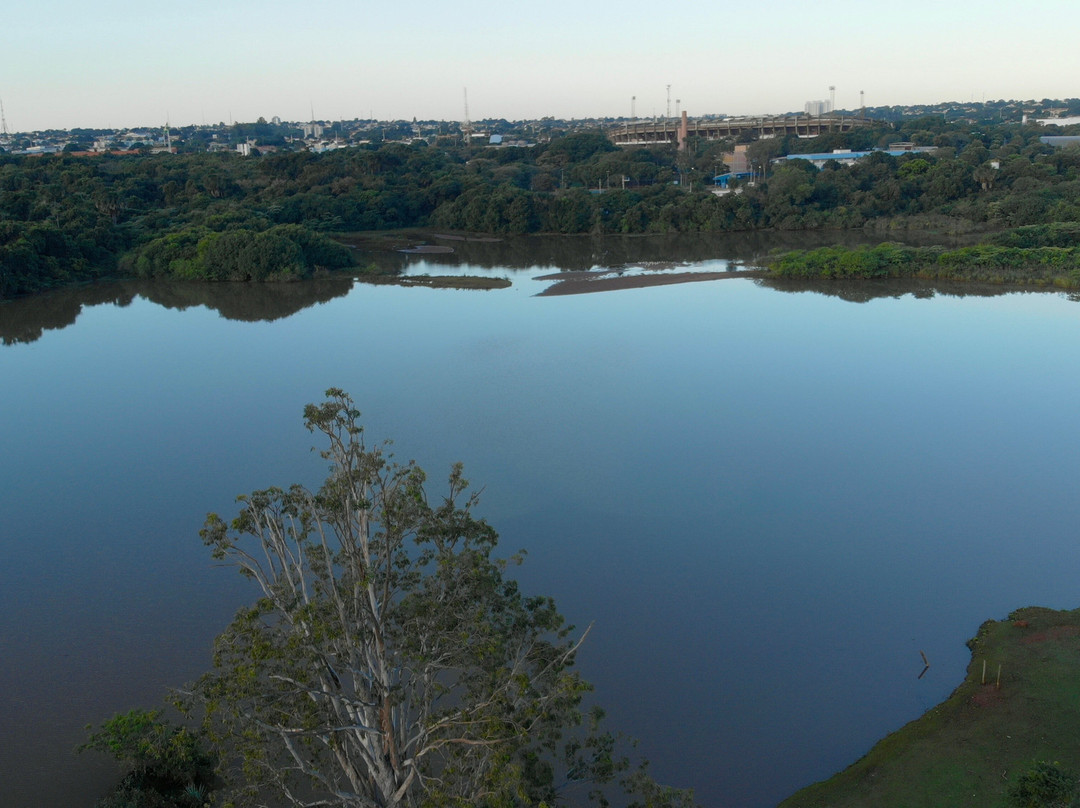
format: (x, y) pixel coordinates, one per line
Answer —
(668, 101)
(3, 121)
(466, 127)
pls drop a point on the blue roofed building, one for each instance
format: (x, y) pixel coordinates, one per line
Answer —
(846, 157)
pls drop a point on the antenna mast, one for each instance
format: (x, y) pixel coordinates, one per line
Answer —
(3, 120)
(668, 101)
(467, 127)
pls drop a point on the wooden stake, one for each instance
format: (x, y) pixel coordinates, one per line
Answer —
(984, 672)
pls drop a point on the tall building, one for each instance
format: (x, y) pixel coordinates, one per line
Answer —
(818, 108)
(738, 161)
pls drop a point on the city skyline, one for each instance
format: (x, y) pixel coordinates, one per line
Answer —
(115, 66)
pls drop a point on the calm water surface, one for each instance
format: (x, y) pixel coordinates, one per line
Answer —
(767, 500)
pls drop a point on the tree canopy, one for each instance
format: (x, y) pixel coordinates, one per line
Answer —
(389, 660)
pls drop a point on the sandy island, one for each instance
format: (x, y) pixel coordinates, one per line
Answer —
(577, 283)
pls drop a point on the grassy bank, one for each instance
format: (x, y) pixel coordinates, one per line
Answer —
(973, 747)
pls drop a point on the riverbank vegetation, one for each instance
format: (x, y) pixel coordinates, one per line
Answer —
(217, 216)
(166, 765)
(1038, 255)
(1005, 738)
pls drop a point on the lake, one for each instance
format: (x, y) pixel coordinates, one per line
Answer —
(766, 499)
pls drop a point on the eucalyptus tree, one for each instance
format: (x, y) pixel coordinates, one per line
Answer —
(389, 661)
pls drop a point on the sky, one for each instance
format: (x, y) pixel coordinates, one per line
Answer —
(114, 64)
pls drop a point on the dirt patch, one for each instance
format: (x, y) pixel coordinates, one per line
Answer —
(987, 696)
(1054, 633)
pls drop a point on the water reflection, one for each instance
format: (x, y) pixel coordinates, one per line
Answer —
(575, 253)
(254, 302)
(27, 319)
(865, 290)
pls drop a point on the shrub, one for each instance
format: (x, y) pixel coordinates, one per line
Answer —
(1044, 785)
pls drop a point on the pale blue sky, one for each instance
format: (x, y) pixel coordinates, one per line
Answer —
(116, 64)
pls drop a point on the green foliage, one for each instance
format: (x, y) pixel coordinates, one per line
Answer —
(168, 766)
(390, 661)
(578, 147)
(244, 255)
(1052, 234)
(280, 253)
(1044, 785)
(985, 262)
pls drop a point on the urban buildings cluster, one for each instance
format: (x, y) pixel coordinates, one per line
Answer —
(263, 137)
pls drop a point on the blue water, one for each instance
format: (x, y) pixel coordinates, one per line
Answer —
(766, 503)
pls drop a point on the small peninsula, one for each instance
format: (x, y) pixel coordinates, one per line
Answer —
(1016, 707)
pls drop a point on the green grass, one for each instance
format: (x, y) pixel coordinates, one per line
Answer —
(972, 747)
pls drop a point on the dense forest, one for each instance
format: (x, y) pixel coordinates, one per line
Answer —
(66, 219)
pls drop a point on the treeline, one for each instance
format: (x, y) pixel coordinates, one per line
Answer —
(1039, 254)
(221, 216)
(278, 253)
